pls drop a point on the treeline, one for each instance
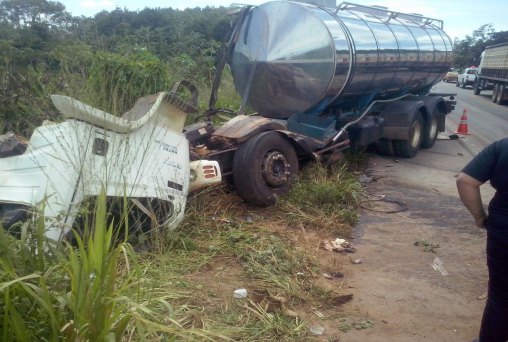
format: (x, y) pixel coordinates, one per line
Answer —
(111, 59)
(467, 51)
(107, 61)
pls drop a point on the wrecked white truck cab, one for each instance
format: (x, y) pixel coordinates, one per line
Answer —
(143, 161)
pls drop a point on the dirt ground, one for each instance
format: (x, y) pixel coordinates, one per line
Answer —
(395, 294)
(396, 287)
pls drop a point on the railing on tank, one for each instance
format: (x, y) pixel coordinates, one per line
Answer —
(389, 15)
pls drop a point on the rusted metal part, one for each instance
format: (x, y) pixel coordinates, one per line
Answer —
(243, 127)
(223, 155)
(218, 142)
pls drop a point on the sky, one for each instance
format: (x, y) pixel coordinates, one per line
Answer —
(460, 17)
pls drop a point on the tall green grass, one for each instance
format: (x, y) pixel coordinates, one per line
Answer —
(95, 290)
(323, 197)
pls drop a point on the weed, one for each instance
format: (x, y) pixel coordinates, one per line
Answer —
(363, 324)
(344, 327)
(428, 246)
(323, 197)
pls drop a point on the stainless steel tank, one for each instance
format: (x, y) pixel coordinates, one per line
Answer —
(294, 57)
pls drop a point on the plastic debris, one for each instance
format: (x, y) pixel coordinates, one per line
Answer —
(240, 293)
(482, 296)
(355, 261)
(221, 220)
(333, 275)
(317, 329)
(439, 266)
(366, 179)
(338, 245)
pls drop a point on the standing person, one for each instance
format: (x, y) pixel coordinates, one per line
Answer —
(491, 164)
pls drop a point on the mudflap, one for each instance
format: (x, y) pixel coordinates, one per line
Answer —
(366, 131)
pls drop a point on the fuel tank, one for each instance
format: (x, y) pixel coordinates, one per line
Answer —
(292, 57)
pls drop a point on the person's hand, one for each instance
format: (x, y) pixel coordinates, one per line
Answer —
(480, 221)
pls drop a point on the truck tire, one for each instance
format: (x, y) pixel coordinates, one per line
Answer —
(501, 90)
(494, 92)
(476, 88)
(264, 167)
(409, 148)
(457, 84)
(430, 130)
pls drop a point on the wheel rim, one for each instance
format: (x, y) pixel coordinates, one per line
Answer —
(433, 128)
(416, 133)
(275, 168)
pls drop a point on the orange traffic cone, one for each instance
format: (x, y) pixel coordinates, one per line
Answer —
(462, 129)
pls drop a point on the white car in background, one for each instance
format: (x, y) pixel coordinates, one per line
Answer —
(141, 164)
(467, 77)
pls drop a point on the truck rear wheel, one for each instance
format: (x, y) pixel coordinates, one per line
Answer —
(264, 167)
(476, 87)
(409, 148)
(501, 89)
(430, 131)
(494, 92)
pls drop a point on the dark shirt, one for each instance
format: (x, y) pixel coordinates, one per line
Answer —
(492, 164)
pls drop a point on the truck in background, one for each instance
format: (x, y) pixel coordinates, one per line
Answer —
(321, 80)
(493, 72)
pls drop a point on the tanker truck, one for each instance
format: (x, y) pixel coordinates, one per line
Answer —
(313, 82)
(493, 72)
(320, 80)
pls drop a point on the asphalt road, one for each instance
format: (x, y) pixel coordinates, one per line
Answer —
(487, 121)
(397, 286)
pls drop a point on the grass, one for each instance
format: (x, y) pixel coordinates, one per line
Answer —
(182, 289)
(101, 289)
(324, 198)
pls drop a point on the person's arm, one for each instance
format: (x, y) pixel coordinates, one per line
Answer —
(469, 192)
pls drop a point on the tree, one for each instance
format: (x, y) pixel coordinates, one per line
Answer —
(467, 51)
(22, 13)
(498, 38)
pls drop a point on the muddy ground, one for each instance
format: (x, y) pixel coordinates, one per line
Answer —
(396, 290)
